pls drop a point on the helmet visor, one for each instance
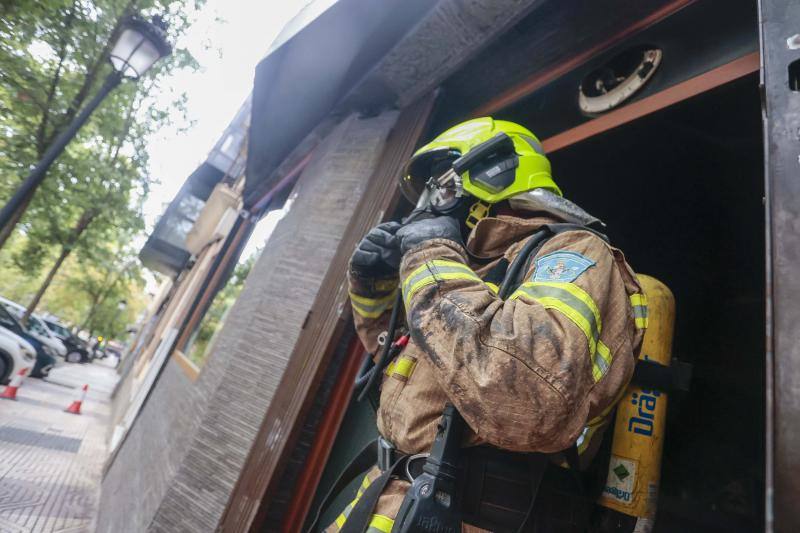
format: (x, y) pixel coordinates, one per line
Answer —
(421, 168)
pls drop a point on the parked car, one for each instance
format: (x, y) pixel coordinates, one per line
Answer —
(36, 327)
(15, 354)
(43, 359)
(77, 350)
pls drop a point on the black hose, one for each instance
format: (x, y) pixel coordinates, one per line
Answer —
(364, 372)
(377, 370)
(510, 279)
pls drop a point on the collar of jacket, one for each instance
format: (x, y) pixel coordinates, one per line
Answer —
(492, 237)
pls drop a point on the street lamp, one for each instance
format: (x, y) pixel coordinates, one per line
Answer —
(139, 45)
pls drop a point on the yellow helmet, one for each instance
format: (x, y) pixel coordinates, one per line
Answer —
(495, 160)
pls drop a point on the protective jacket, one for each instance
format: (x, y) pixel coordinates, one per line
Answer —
(537, 372)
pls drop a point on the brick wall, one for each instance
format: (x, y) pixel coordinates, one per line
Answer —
(183, 455)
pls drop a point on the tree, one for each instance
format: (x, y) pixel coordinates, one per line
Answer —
(87, 291)
(53, 56)
(114, 275)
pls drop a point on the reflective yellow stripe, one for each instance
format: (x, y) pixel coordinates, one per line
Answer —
(576, 304)
(494, 288)
(601, 361)
(639, 298)
(380, 524)
(597, 422)
(552, 297)
(403, 366)
(639, 304)
(433, 271)
(588, 433)
(363, 487)
(578, 293)
(372, 307)
(342, 518)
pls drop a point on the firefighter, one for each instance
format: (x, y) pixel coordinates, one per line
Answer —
(517, 311)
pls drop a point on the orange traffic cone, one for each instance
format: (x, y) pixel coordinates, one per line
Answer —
(16, 382)
(75, 406)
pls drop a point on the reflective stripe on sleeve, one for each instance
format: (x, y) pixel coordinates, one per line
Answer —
(601, 361)
(372, 307)
(576, 304)
(431, 272)
(639, 305)
(380, 524)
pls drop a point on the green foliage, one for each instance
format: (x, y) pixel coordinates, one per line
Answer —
(86, 294)
(215, 317)
(53, 59)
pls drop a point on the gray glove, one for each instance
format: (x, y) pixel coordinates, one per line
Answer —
(378, 253)
(430, 228)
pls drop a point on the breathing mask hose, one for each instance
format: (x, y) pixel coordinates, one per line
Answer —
(509, 281)
(380, 365)
(364, 372)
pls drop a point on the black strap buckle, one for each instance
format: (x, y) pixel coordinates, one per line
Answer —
(651, 375)
(386, 454)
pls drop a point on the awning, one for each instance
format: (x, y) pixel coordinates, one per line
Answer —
(300, 81)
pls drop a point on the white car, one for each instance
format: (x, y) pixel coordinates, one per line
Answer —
(15, 354)
(36, 328)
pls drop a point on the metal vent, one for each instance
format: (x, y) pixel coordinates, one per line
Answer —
(618, 79)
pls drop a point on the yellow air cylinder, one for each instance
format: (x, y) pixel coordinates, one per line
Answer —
(635, 467)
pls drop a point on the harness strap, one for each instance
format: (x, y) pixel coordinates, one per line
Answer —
(360, 516)
(359, 465)
(652, 375)
(563, 227)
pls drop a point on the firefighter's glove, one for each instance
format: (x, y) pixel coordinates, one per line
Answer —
(430, 228)
(378, 253)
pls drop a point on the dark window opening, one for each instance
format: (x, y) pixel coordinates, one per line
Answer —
(681, 192)
(794, 75)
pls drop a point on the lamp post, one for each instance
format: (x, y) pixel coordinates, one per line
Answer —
(139, 45)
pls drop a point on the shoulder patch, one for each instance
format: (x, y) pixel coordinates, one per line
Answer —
(561, 266)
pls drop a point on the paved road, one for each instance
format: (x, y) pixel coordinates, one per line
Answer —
(51, 461)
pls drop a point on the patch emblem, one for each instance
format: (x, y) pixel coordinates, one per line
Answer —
(621, 480)
(561, 266)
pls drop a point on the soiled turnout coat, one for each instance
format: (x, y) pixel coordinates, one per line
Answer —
(537, 372)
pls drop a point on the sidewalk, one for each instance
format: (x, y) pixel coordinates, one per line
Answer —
(51, 461)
